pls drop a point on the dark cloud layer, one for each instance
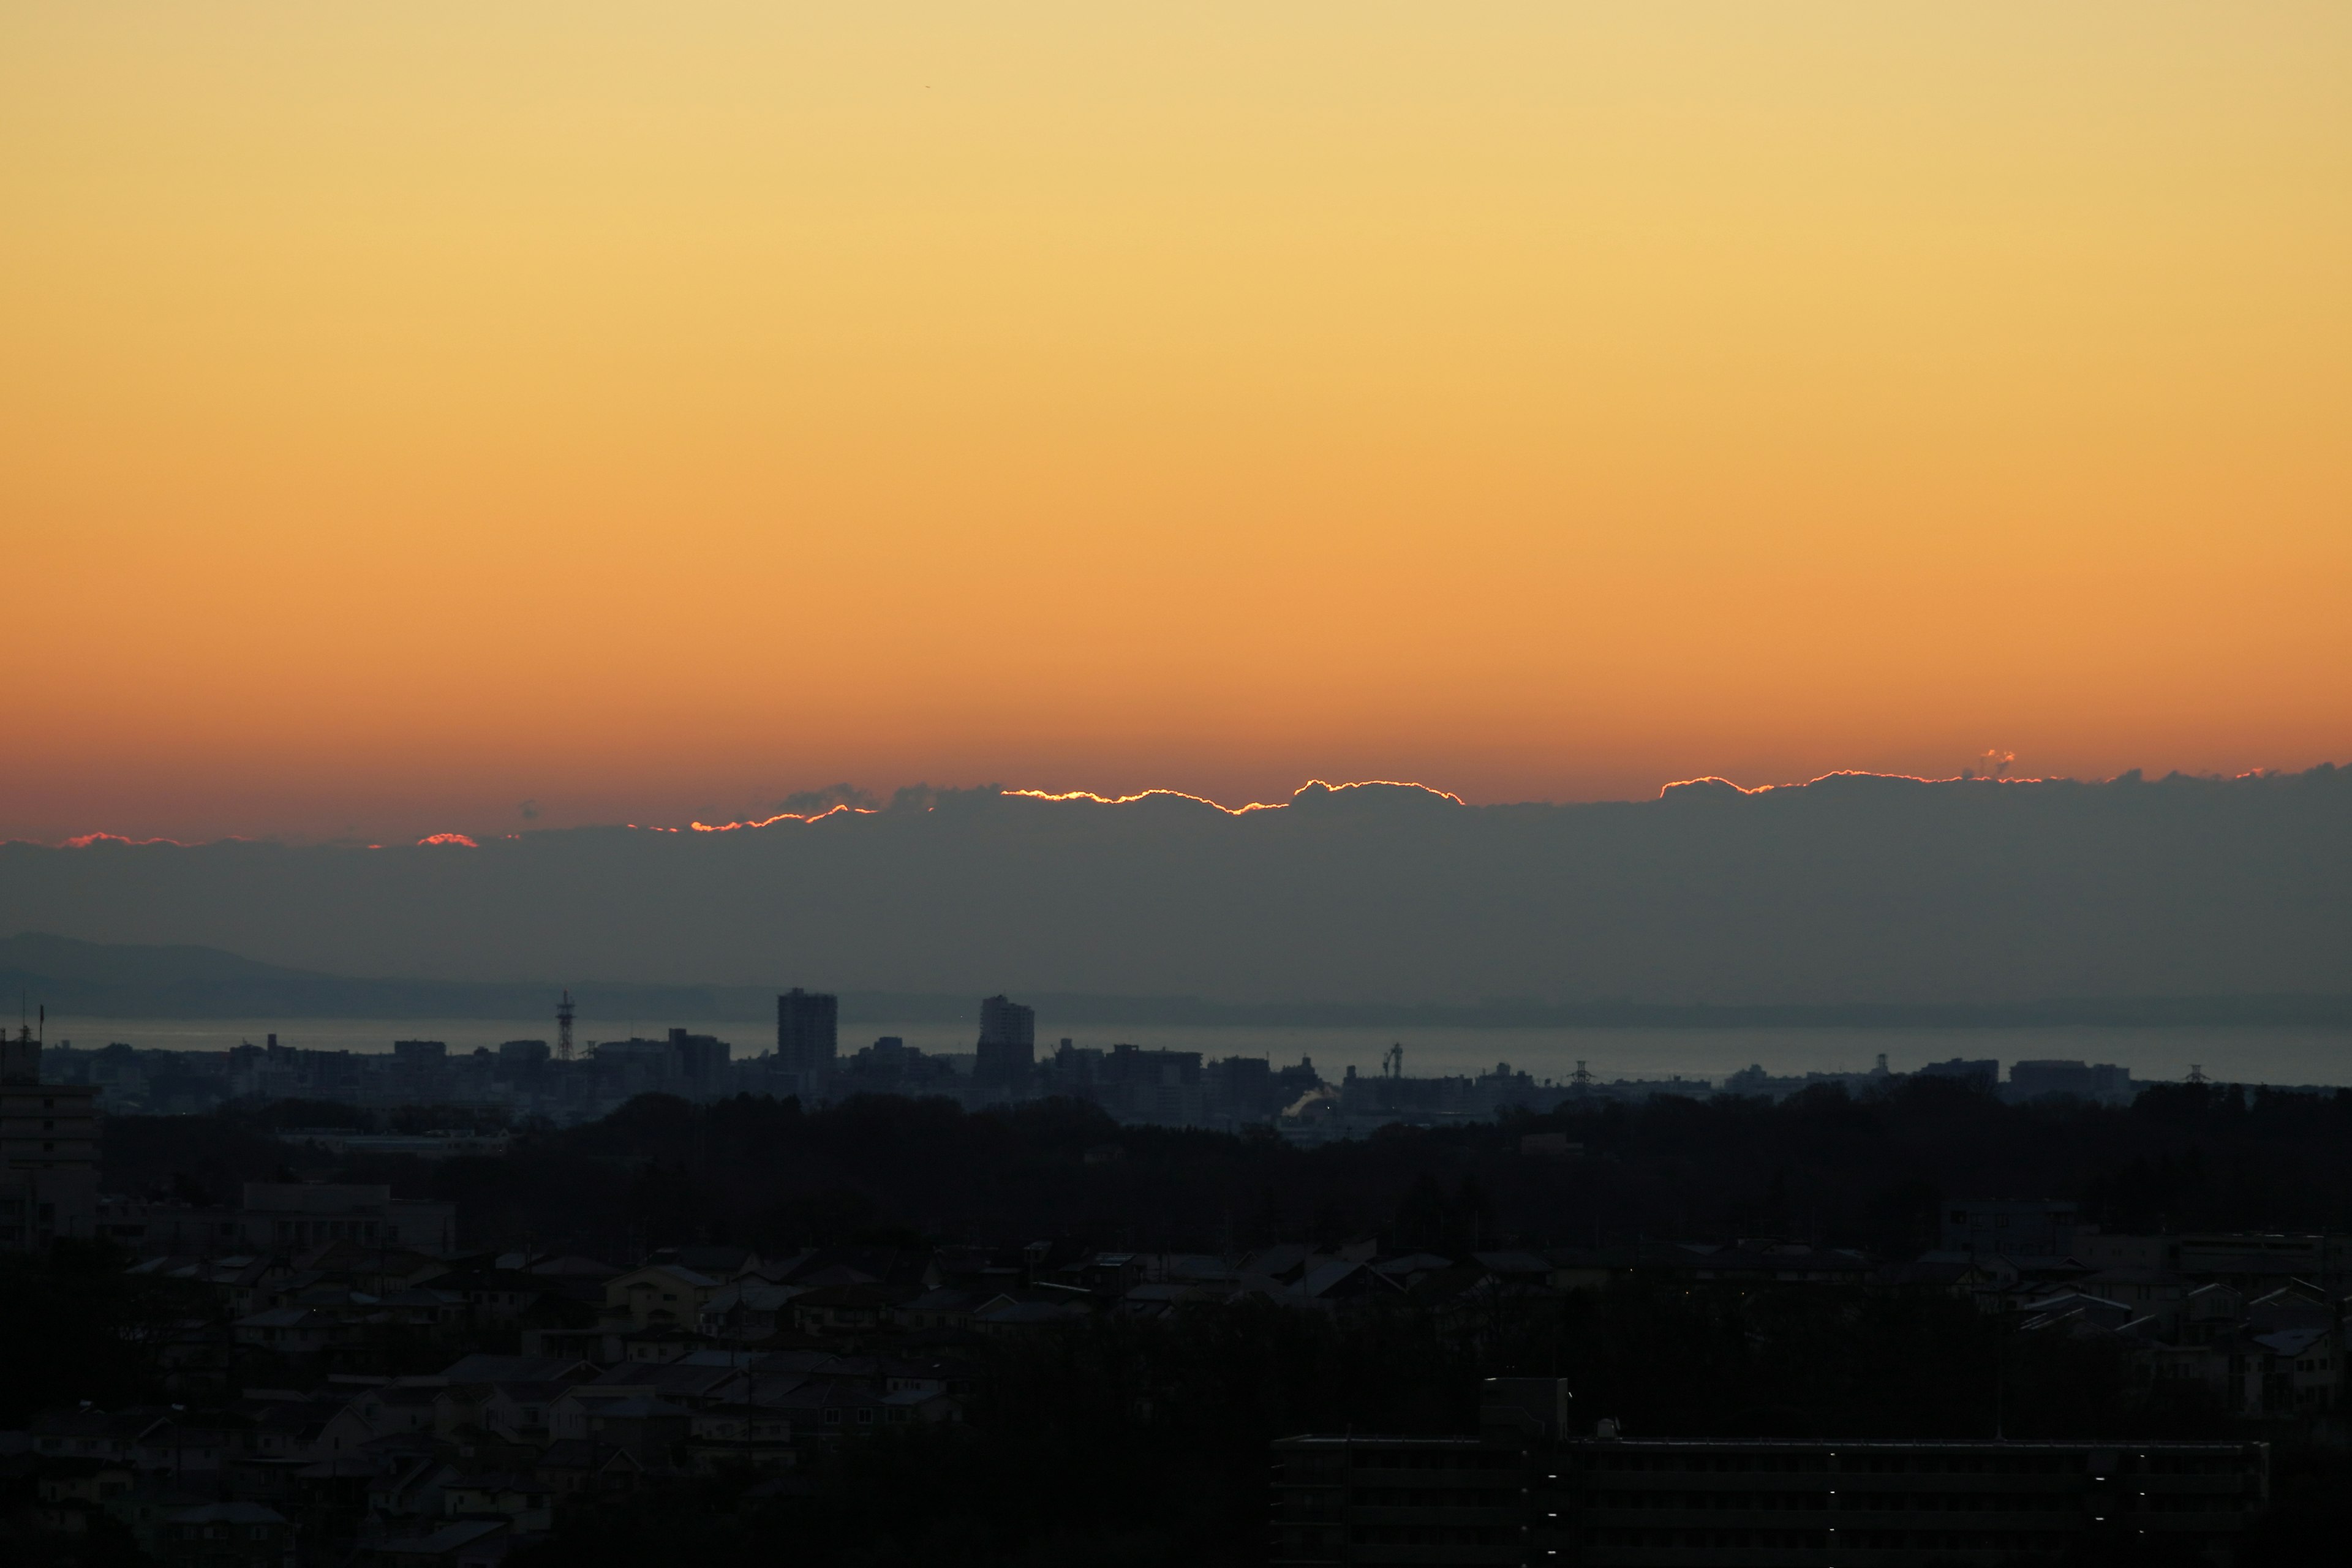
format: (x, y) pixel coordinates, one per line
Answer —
(1854, 889)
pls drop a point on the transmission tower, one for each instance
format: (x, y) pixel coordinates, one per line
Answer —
(563, 1028)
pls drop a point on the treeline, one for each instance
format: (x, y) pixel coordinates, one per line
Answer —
(1822, 1166)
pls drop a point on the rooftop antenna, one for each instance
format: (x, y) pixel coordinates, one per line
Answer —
(563, 1028)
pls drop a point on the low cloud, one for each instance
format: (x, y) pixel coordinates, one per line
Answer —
(1851, 889)
(809, 802)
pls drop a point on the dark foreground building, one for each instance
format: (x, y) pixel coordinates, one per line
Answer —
(1525, 1493)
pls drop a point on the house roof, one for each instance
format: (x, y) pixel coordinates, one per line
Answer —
(758, 1298)
(480, 1368)
(398, 1395)
(118, 1423)
(1510, 1262)
(833, 1275)
(911, 1396)
(584, 1454)
(710, 1259)
(532, 1393)
(366, 1463)
(946, 1299)
(289, 1318)
(1321, 1281)
(447, 1539)
(1030, 1313)
(495, 1481)
(860, 1295)
(676, 1378)
(225, 1514)
(576, 1267)
(686, 1277)
(637, 1407)
(1284, 1258)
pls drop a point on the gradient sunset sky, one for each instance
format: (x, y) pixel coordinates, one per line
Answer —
(649, 411)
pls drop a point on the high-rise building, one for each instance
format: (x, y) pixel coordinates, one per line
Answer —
(808, 1039)
(1007, 1053)
(701, 1059)
(48, 1151)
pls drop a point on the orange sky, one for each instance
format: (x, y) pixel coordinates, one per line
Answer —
(652, 410)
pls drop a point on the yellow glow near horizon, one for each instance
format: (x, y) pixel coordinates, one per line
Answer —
(652, 410)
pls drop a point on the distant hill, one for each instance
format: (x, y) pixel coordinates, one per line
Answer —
(111, 981)
(102, 980)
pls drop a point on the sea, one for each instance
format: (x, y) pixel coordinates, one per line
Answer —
(2253, 1054)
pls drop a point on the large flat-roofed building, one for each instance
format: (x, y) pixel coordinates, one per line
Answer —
(1603, 1502)
(1656, 1502)
(294, 1214)
(2012, 1227)
(48, 1151)
(1398, 1501)
(289, 1218)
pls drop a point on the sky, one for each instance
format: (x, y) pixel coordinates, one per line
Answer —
(444, 417)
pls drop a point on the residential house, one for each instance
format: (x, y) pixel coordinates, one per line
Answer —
(946, 1307)
(842, 1310)
(519, 1411)
(392, 1409)
(72, 1490)
(524, 1502)
(487, 1368)
(691, 1383)
(650, 1429)
(1004, 1317)
(660, 1296)
(577, 1466)
(92, 1434)
(730, 1435)
(221, 1535)
(294, 1330)
(747, 1310)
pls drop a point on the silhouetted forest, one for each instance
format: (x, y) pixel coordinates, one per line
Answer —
(1823, 1166)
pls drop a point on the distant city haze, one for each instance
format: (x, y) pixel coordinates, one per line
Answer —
(1853, 889)
(2268, 1054)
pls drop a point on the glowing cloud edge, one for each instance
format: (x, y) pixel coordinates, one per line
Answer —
(1091, 797)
